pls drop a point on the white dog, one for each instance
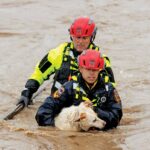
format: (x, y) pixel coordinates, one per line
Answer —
(77, 118)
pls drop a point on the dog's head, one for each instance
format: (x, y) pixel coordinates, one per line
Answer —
(87, 118)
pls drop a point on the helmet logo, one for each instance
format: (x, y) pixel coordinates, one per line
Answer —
(92, 62)
(79, 31)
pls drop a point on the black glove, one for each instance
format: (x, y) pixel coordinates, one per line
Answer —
(25, 98)
(25, 101)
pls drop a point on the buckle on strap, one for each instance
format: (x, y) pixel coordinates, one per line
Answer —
(58, 85)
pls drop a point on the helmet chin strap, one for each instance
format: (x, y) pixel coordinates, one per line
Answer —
(70, 35)
(71, 38)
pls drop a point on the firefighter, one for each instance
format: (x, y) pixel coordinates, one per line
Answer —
(88, 85)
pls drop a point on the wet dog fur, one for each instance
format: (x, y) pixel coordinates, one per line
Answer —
(78, 118)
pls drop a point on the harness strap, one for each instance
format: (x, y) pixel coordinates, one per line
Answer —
(80, 94)
(58, 85)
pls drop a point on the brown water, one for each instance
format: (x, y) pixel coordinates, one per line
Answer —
(29, 28)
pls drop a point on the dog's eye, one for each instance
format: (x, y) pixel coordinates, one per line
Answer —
(94, 120)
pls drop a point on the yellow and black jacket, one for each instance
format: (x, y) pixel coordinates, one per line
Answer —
(105, 99)
(63, 62)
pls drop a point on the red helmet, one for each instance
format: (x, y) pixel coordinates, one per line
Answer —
(91, 59)
(83, 26)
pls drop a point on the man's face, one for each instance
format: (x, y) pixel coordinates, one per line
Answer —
(89, 75)
(81, 43)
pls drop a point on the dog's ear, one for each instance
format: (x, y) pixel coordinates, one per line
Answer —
(77, 119)
(76, 116)
(80, 117)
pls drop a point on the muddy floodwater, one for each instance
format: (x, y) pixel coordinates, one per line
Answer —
(29, 28)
